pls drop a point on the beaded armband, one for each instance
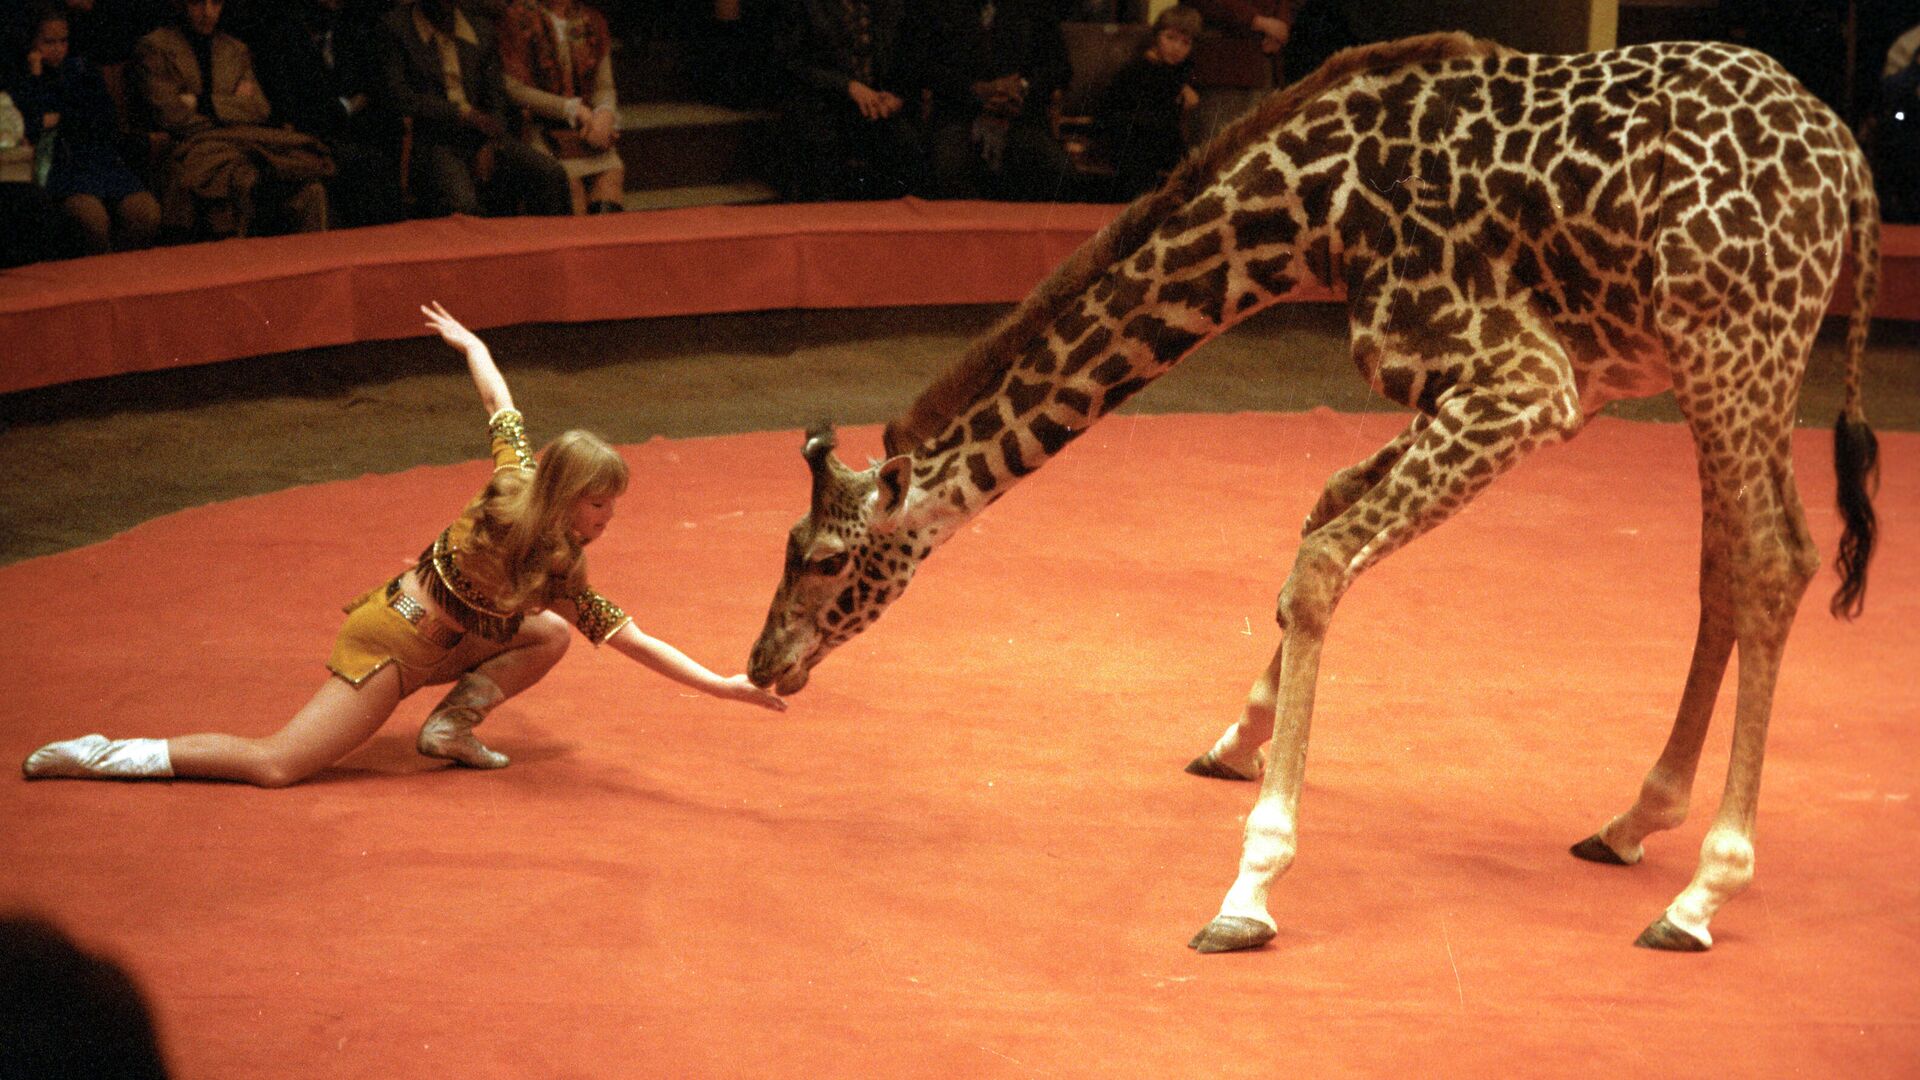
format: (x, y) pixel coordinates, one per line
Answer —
(509, 431)
(599, 618)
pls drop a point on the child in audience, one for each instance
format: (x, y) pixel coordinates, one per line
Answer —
(1140, 117)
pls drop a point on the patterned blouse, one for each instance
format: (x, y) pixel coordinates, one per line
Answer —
(465, 582)
(530, 49)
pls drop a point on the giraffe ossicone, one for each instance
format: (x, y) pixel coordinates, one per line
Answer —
(1521, 240)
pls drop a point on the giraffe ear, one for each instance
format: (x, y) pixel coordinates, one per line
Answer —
(891, 482)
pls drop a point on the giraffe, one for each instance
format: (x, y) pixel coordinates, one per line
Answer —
(1522, 239)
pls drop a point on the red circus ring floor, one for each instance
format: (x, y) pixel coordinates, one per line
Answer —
(968, 850)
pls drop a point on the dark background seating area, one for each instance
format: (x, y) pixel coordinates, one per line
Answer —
(705, 87)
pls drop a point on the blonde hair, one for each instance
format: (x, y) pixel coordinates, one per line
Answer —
(523, 521)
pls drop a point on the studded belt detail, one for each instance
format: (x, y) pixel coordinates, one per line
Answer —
(416, 613)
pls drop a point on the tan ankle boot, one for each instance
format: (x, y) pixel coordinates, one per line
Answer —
(96, 756)
(448, 732)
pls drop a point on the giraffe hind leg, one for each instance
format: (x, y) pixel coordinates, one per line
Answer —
(1236, 754)
(1667, 788)
(1772, 559)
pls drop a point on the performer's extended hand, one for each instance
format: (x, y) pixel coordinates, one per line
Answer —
(737, 688)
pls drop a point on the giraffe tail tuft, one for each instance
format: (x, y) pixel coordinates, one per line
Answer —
(1856, 467)
(1856, 452)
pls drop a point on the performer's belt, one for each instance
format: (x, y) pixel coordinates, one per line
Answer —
(441, 633)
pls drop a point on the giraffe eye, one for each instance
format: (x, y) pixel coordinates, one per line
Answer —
(831, 565)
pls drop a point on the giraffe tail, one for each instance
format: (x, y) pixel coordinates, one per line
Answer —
(1856, 452)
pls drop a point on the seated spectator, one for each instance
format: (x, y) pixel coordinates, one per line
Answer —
(997, 69)
(317, 67)
(852, 101)
(558, 61)
(1896, 141)
(1140, 116)
(197, 84)
(440, 70)
(65, 1012)
(1238, 61)
(71, 118)
(104, 31)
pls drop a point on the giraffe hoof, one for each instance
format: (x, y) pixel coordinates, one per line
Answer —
(1665, 936)
(1213, 768)
(1594, 849)
(1231, 933)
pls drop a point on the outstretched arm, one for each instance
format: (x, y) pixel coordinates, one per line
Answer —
(486, 377)
(681, 668)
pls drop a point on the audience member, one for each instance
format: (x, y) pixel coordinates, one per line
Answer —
(104, 31)
(1140, 117)
(1321, 28)
(853, 101)
(1238, 62)
(317, 67)
(558, 61)
(28, 219)
(732, 45)
(1896, 142)
(997, 69)
(440, 70)
(197, 83)
(72, 121)
(67, 1013)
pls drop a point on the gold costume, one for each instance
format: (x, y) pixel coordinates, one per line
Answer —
(387, 626)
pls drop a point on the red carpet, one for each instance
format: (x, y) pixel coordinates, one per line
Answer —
(968, 850)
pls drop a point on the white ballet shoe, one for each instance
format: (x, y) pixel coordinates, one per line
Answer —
(448, 732)
(98, 756)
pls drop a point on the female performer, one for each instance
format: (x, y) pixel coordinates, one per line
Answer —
(486, 608)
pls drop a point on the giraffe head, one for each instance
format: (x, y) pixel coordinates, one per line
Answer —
(847, 560)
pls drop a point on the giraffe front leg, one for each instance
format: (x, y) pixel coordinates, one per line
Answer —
(1236, 754)
(1272, 832)
(1476, 434)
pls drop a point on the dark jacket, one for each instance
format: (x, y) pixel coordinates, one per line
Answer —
(959, 50)
(817, 48)
(412, 84)
(305, 90)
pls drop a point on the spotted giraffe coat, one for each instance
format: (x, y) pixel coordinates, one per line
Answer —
(1464, 196)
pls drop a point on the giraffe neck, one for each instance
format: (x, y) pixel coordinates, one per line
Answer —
(1128, 329)
(1271, 208)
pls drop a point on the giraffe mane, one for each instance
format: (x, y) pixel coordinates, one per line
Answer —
(980, 370)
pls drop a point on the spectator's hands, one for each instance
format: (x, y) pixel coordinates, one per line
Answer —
(49, 121)
(1273, 33)
(1189, 97)
(35, 62)
(483, 122)
(873, 104)
(738, 688)
(1003, 96)
(600, 128)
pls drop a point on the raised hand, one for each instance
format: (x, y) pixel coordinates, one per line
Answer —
(450, 329)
